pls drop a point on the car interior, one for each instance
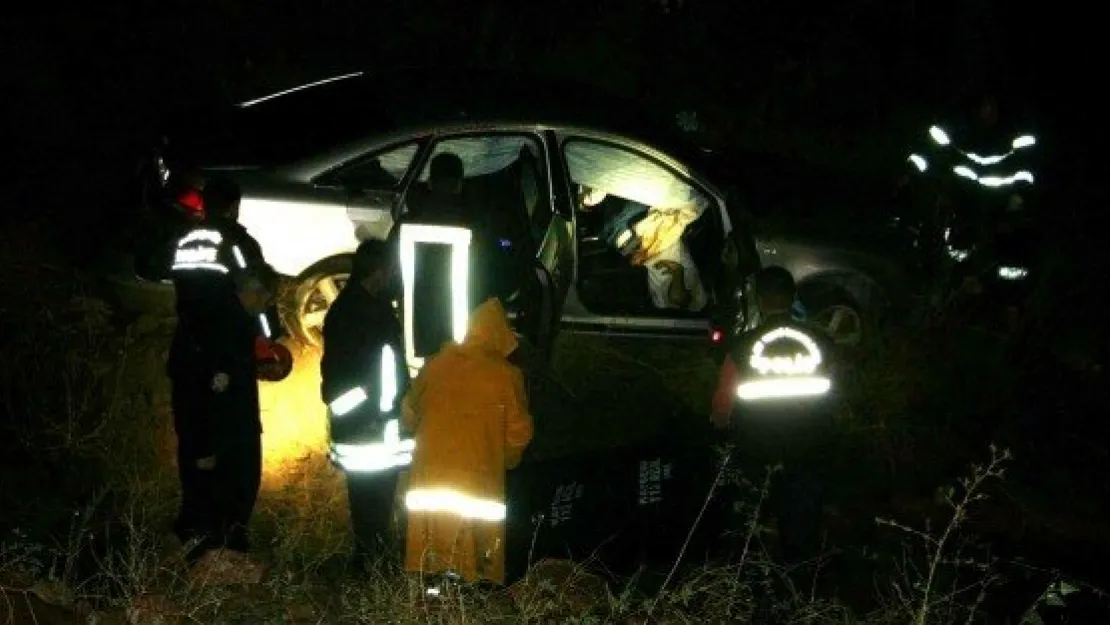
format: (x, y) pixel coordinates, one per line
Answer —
(608, 282)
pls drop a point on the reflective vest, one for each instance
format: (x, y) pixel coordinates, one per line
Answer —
(364, 437)
(203, 255)
(1002, 170)
(781, 363)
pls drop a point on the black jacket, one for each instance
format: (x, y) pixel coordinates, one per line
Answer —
(794, 429)
(356, 328)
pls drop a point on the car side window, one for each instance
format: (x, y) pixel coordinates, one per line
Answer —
(379, 171)
(616, 187)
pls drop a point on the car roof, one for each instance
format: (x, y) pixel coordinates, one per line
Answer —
(421, 96)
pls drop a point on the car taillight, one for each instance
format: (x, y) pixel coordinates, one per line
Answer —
(716, 335)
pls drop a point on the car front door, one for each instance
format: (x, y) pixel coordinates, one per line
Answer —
(507, 189)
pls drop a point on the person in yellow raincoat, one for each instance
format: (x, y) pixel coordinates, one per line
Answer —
(469, 411)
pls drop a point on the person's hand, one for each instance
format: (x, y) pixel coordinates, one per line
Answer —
(670, 267)
(220, 382)
(206, 464)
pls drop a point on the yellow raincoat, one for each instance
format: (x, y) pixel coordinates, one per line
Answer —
(469, 412)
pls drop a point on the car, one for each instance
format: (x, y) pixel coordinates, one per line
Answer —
(325, 165)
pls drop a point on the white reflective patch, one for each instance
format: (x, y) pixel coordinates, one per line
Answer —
(1012, 273)
(1024, 141)
(453, 502)
(800, 363)
(211, 236)
(1005, 181)
(388, 375)
(459, 239)
(919, 162)
(196, 255)
(782, 388)
(217, 267)
(957, 255)
(347, 401)
(993, 159)
(265, 323)
(239, 257)
(372, 457)
(939, 135)
(965, 172)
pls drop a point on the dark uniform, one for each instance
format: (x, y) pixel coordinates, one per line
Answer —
(777, 388)
(975, 184)
(364, 377)
(245, 254)
(214, 335)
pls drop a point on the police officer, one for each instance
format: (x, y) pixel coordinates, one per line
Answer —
(774, 395)
(364, 378)
(215, 394)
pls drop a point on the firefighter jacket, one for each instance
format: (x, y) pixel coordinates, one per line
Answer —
(777, 383)
(363, 378)
(469, 410)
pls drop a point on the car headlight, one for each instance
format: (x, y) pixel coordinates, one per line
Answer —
(1012, 273)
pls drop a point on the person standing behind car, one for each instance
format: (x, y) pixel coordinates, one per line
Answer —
(362, 378)
(214, 396)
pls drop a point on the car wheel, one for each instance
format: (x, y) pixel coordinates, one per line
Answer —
(310, 297)
(839, 314)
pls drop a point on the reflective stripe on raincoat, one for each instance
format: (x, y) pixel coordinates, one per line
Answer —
(469, 411)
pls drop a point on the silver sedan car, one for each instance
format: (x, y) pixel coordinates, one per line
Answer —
(328, 164)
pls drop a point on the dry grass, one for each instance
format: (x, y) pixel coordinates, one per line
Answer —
(83, 530)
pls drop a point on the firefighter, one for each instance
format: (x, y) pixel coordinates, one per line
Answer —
(363, 377)
(469, 411)
(212, 371)
(974, 181)
(774, 396)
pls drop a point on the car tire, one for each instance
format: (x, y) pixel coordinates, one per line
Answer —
(831, 307)
(306, 300)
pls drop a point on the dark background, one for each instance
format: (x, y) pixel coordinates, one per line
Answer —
(846, 83)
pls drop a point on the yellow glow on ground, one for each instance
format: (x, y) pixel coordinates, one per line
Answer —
(294, 421)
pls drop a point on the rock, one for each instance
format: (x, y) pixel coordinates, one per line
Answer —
(153, 610)
(54, 592)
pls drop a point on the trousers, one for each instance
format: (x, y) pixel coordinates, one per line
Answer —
(371, 498)
(216, 504)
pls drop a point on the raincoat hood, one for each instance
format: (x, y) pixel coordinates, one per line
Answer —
(489, 329)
